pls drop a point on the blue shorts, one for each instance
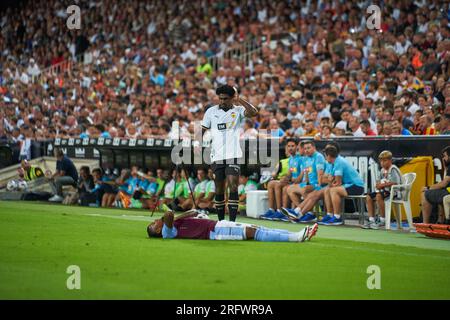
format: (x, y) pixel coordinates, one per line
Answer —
(228, 230)
(354, 190)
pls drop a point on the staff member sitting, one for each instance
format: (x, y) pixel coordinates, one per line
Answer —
(30, 172)
(434, 194)
(390, 175)
(66, 174)
(346, 182)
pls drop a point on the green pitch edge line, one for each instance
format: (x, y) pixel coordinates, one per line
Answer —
(326, 232)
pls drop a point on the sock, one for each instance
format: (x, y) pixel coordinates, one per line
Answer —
(298, 211)
(382, 219)
(271, 209)
(277, 230)
(338, 216)
(233, 204)
(268, 235)
(329, 214)
(219, 202)
(372, 219)
(295, 236)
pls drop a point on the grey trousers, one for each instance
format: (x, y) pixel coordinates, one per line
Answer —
(59, 182)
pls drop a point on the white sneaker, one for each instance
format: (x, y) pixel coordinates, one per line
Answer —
(56, 198)
(307, 233)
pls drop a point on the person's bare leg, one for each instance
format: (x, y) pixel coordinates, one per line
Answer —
(336, 194)
(202, 204)
(304, 192)
(327, 199)
(370, 207)
(278, 196)
(286, 199)
(293, 192)
(271, 193)
(184, 202)
(380, 202)
(426, 209)
(311, 199)
(111, 199)
(441, 214)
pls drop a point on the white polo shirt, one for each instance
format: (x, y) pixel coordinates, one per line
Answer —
(226, 127)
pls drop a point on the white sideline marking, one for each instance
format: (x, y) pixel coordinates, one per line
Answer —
(123, 216)
(378, 250)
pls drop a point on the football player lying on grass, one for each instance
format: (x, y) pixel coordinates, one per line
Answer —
(191, 225)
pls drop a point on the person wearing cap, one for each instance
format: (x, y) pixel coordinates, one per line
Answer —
(389, 175)
(30, 172)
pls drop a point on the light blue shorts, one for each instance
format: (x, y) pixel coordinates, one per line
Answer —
(316, 187)
(229, 230)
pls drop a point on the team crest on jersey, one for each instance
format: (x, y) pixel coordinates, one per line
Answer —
(233, 115)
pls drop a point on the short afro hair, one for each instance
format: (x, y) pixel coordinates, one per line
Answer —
(226, 89)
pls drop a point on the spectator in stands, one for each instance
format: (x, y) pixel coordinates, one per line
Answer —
(310, 130)
(355, 127)
(66, 174)
(275, 130)
(390, 175)
(434, 194)
(122, 82)
(296, 129)
(346, 182)
(365, 116)
(325, 133)
(398, 130)
(426, 127)
(249, 130)
(445, 124)
(366, 129)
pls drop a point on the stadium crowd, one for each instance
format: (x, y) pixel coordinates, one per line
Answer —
(319, 71)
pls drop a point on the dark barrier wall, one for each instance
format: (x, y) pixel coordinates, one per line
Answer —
(152, 153)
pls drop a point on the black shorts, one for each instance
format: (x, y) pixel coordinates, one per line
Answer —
(224, 168)
(436, 196)
(354, 190)
(384, 194)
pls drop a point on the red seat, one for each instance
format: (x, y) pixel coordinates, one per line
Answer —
(441, 231)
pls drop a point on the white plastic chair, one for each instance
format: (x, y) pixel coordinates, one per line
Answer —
(405, 200)
(447, 207)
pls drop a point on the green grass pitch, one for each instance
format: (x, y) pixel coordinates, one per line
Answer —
(118, 261)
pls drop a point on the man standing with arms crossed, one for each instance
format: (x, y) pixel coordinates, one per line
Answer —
(225, 121)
